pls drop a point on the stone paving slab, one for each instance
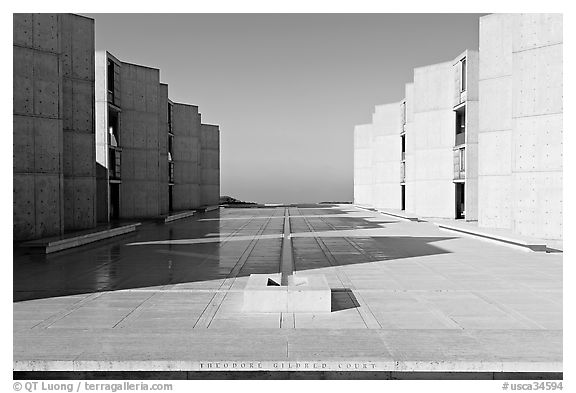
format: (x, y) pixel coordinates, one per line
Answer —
(387, 349)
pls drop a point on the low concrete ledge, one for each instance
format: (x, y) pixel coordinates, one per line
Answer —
(304, 293)
(283, 364)
(54, 244)
(399, 214)
(519, 241)
(179, 216)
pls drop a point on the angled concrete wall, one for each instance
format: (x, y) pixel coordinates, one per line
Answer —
(186, 126)
(520, 133)
(386, 156)
(53, 125)
(433, 141)
(363, 167)
(139, 139)
(163, 175)
(209, 165)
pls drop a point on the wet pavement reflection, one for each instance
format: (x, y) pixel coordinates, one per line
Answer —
(208, 247)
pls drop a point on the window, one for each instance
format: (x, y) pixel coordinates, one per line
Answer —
(403, 147)
(110, 76)
(113, 128)
(463, 75)
(460, 126)
(170, 117)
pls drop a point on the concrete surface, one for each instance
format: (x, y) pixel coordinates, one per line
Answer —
(405, 296)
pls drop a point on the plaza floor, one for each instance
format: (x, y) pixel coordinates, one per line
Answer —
(405, 296)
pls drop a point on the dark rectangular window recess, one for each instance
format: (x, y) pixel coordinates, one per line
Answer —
(460, 126)
(113, 128)
(463, 80)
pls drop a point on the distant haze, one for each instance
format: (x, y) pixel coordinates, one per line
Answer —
(286, 89)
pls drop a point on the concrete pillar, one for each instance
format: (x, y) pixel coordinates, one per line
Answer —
(433, 141)
(186, 194)
(363, 167)
(386, 156)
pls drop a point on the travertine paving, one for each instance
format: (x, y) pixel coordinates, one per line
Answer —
(405, 296)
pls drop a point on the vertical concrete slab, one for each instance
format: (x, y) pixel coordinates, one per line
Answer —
(495, 121)
(386, 156)
(162, 143)
(537, 111)
(186, 126)
(209, 164)
(363, 168)
(140, 130)
(433, 141)
(79, 137)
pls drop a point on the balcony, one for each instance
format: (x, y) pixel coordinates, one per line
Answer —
(460, 139)
(459, 164)
(170, 172)
(402, 172)
(114, 163)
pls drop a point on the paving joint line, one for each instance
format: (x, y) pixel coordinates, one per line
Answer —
(364, 310)
(207, 316)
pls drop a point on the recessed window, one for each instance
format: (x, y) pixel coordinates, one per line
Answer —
(463, 80)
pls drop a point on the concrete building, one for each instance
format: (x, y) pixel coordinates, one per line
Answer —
(97, 139)
(149, 148)
(480, 137)
(54, 184)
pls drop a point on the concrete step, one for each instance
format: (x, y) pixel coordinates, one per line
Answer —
(178, 216)
(58, 243)
(399, 214)
(494, 234)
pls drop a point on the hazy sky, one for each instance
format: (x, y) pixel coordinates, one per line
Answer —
(286, 89)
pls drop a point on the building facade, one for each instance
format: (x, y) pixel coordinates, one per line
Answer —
(149, 148)
(54, 184)
(97, 139)
(480, 135)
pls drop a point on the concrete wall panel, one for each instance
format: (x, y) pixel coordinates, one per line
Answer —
(47, 145)
(537, 81)
(46, 32)
(538, 204)
(495, 40)
(495, 153)
(23, 30)
(23, 144)
(495, 108)
(536, 30)
(538, 143)
(24, 222)
(495, 202)
(47, 204)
